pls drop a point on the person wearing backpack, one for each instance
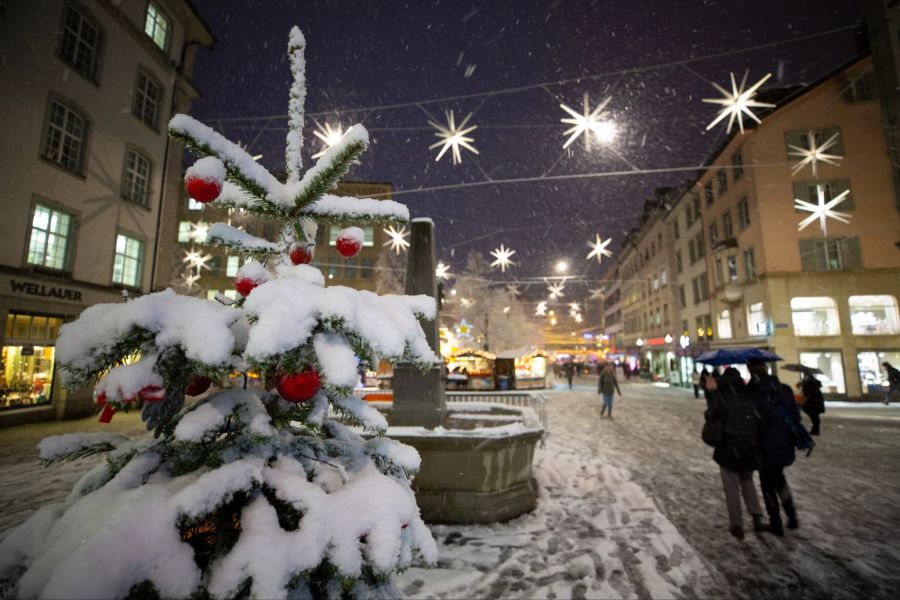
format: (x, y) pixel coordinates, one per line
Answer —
(737, 454)
(780, 417)
(893, 383)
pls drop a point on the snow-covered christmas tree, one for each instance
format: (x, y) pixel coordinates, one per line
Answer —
(268, 494)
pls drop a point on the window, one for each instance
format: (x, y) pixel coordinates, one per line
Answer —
(158, 26)
(682, 301)
(700, 288)
(749, 264)
(664, 278)
(800, 139)
(675, 232)
(50, 233)
(724, 324)
(830, 254)
(232, 264)
(727, 228)
(731, 261)
(366, 268)
(737, 166)
(871, 374)
(832, 367)
(719, 272)
(678, 265)
(721, 183)
(184, 231)
(743, 214)
(695, 205)
(27, 376)
(713, 235)
(809, 191)
(708, 194)
(814, 316)
(147, 96)
(859, 89)
(128, 259)
(656, 283)
(136, 182)
(701, 245)
(66, 136)
(80, 43)
(757, 324)
(350, 268)
(194, 205)
(874, 315)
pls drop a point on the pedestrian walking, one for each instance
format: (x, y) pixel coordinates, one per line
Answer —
(704, 377)
(607, 385)
(570, 372)
(695, 381)
(814, 401)
(893, 376)
(738, 452)
(775, 402)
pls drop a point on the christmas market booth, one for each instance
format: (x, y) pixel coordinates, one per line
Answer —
(470, 369)
(524, 368)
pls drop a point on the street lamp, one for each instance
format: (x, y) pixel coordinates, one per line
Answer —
(562, 266)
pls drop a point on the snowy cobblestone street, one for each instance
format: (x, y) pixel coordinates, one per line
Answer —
(629, 507)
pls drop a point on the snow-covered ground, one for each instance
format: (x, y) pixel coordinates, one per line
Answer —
(629, 507)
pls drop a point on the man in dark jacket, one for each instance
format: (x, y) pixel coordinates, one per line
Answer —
(606, 386)
(738, 455)
(893, 376)
(814, 401)
(775, 402)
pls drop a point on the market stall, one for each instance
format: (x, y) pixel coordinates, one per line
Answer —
(470, 369)
(522, 369)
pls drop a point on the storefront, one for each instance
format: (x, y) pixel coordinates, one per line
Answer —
(524, 369)
(872, 376)
(27, 368)
(471, 369)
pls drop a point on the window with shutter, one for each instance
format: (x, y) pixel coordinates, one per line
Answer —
(809, 192)
(851, 253)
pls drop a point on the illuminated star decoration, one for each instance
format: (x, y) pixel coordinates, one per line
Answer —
(502, 255)
(575, 307)
(812, 154)
(578, 318)
(598, 248)
(738, 102)
(442, 271)
(596, 294)
(822, 210)
(329, 136)
(397, 240)
(466, 303)
(541, 309)
(513, 290)
(190, 279)
(199, 231)
(556, 289)
(463, 329)
(196, 260)
(587, 123)
(452, 137)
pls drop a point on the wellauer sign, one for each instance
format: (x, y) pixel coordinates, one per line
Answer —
(29, 288)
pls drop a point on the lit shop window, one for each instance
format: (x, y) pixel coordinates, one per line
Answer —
(232, 265)
(26, 362)
(815, 315)
(874, 315)
(871, 374)
(194, 205)
(724, 324)
(184, 231)
(832, 367)
(757, 324)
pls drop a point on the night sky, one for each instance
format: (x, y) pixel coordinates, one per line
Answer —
(362, 55)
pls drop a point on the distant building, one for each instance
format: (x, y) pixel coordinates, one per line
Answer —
(86, 172)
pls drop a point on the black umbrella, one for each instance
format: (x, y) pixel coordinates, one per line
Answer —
(802, 369)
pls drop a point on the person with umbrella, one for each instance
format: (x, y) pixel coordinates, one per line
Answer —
(814, 401)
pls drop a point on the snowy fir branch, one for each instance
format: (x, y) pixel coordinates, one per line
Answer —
(238, 240)
(294, 148)
(331, 167)
(356, 211)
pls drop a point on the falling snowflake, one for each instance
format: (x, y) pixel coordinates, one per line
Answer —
(813, 153)
(442, 271)
(822, 210)
(452, 137)
(598, 248)
(397, 238)
(329, 136)
(502, 255)
(556, 289)
(541, 309)
(587, 123)
(738, 103)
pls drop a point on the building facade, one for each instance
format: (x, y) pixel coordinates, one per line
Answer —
(86, 169)
(824, 295)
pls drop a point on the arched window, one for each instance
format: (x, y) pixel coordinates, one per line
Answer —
(815, 315)
(874, 315)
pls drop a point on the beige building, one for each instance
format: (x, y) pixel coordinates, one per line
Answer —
(825, 299)
(220, 267)
(85, 172)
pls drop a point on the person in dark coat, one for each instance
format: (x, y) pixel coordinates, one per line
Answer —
(738, 455)
(704, 377)
(814, 403)
(893, 376)
(776, 444)
(606, 387)
(570, 372)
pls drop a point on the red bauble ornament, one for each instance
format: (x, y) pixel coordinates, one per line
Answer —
(300, 255)
(197, 385)
(349, 241)
(151, 393)
(202, 190)
(245, 285)
(298, 387)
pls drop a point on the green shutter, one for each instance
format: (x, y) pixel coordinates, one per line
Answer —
(809, 251)
(838, 147)
(851, 254)
(839, 186)
(794, 138)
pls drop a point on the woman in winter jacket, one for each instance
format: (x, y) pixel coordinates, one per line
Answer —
(775, 402)
(814, 403)
(738, 453)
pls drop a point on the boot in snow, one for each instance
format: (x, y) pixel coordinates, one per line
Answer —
(776, 527)
(737, 531)
(759, 524)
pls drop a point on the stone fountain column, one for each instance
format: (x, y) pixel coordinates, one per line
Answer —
(419, 398)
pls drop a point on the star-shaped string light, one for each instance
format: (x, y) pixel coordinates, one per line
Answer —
(574, 307)
(453, 137)
(442, 271)
(196, 260)
(513, 290)
(396, 238)
(466, 303)
(738, 102)
(596, 294)
(502, 254)
(588, 122)
(329, 136)
(199, 231)
(556, 289)
(578, 318)
(190, 279)
(822, 210)
(813, 153)
(598, 248)
(541, 309)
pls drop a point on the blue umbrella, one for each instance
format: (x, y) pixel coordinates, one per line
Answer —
(731, 356)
